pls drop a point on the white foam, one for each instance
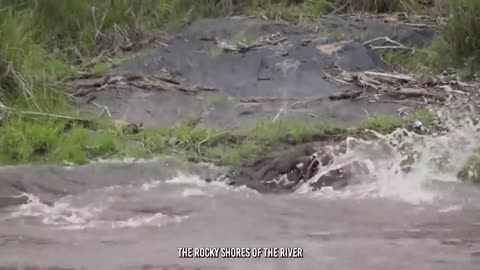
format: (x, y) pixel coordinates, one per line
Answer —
(438, 158)
(65, 215)
(157, 220)
(213, 187)
(189, 192)
(451, 208)
(60, 213)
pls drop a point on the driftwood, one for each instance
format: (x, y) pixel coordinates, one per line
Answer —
(399, 77)
(403, 86)
(416, 93)
(161, 83)
(241, 47)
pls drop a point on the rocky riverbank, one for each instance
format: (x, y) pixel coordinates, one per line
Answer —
(231, 74)
(234, 73)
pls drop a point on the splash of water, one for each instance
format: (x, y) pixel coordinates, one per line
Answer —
(103, 208)
(404, 165)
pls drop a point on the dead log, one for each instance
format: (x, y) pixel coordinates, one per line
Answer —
(416, 93)
(400, 77)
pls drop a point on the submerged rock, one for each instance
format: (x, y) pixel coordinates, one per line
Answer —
(287, 170)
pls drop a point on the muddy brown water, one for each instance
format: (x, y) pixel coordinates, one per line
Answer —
(141, 225)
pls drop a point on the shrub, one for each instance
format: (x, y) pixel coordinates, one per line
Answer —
(461, 36)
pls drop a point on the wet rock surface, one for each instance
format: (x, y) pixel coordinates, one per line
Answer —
(285, 171)
(286, 79)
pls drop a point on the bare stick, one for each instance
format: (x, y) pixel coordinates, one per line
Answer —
(104, 109)
(58, 116)
(391, 76)
(285, 107)
(398, 45)
(391, 48)
(384, 38)
(202, 142)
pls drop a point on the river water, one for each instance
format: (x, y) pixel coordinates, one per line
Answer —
(423, 219)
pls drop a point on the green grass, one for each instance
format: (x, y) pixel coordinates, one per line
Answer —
(378, 6)
(27, 140)
(44, 41)
(290, 131)
(461, 38)
(388, 123)
(417, 61)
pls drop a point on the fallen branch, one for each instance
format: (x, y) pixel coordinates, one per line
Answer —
(400, 77)
(398, 45)
(416, 93)
(401, 102)
(391, 48)
(385, 38)
(366, 81)
(161, 83)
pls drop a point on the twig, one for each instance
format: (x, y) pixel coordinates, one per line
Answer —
(104, 109)
(383, 38)
(202, 142)
(391, 48)
(398, 45)
(340, 8)
(419, 25)
(390, 76)
(97, 32)
(58, 116)
(285, 107)
(401, 102)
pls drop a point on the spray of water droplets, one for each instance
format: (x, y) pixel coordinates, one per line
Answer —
(403, 165)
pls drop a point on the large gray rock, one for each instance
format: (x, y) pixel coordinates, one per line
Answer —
(251, 86)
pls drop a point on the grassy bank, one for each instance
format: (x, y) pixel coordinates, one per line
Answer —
(59, 141)
(43, 42)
